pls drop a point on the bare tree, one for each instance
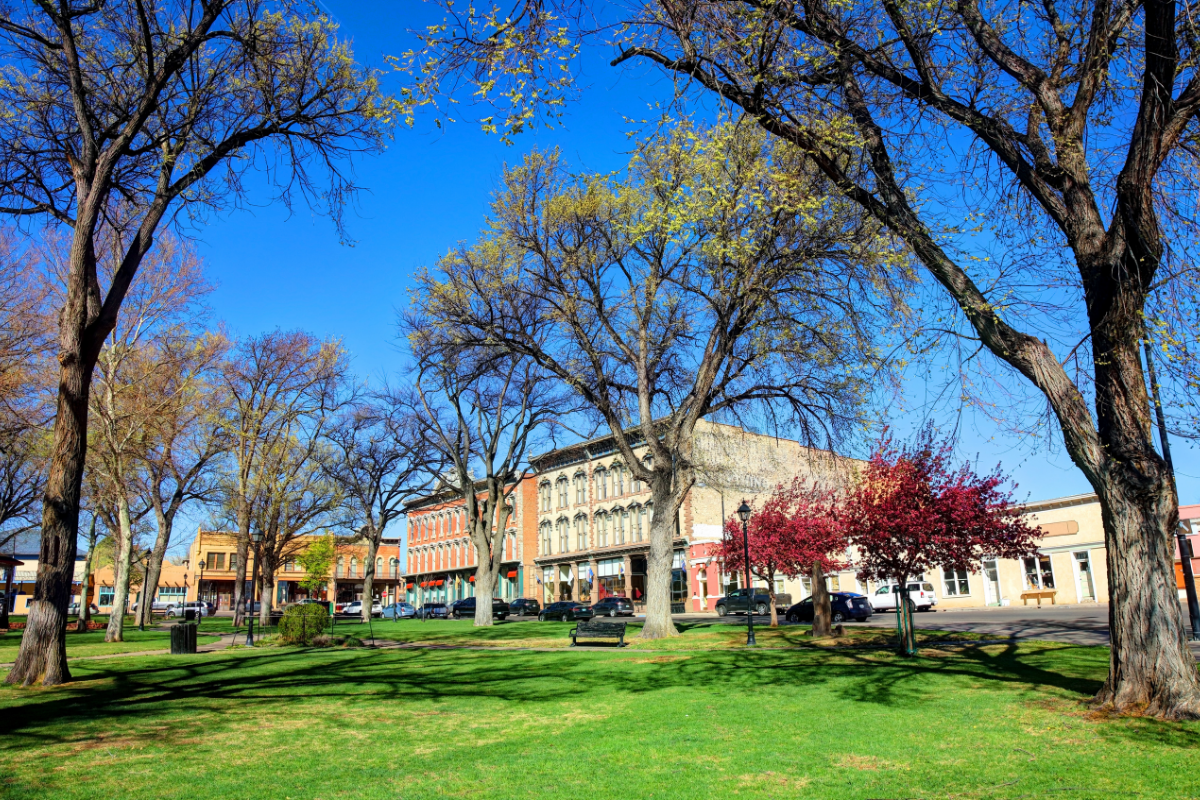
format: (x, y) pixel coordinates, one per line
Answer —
(1038, 159)
(185, 440)
(278, 384)
(379, 460)
(117, 116)
(718, 277)
(483, 412)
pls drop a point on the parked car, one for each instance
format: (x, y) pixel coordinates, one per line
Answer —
(524, 607)
(156, 606)
(204, 609)
(355, 609)
(466, 608)
(739, 601)
(308, 601)
(434, 611)
(843, 605)
(613, 607)
(920, 594)
(566, 610)
(399, 611)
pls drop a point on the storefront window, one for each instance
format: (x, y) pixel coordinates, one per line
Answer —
(548, 584)
(1038, 573)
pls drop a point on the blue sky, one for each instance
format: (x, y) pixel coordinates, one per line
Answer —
(430, 190)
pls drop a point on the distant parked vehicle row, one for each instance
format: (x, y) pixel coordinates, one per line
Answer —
(466, 608)
(920, 594)
(843, 606)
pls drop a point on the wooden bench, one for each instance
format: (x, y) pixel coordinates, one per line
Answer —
(1041, 594)
(599, 630)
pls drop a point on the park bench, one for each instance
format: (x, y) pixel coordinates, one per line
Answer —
(599, 630)
(1039, 595)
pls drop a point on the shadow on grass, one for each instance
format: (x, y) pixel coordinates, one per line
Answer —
(138, 692)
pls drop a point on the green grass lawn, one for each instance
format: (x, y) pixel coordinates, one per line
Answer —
(996, 722)
(92, 643)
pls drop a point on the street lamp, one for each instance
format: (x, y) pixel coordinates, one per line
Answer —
(200, 594)
(143, 611)
(743, 513)
(256, 537)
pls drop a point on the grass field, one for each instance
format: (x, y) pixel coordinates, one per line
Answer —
(993, 722)
(92, 643)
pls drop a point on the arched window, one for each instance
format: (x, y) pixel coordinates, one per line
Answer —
(561, 486)
(341, 566)
(580, 488)
(544, 493)
(638, 517)
(601, 479)
(379, 566)
(353, 567)
(394, 566)
(581, 533)
(618, 478)
(620, 521)
(602, 530)
(545, 538)
(564, 536)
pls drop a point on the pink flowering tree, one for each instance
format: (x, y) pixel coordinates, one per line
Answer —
(912, 510)
(794, 533)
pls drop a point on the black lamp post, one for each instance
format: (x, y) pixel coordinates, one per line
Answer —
(143, 611)
(200, 594)
(256, 537)
(743, 513)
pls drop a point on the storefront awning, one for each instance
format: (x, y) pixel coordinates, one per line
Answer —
(9, 561)
(512, 573)
(471, 579)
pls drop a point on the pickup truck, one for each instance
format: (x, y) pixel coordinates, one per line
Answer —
(466, 608)
(738, 601)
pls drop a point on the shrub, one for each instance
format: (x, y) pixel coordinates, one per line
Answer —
(336, 641)
(303, 623)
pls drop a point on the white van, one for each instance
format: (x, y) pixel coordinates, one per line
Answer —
(920, 593)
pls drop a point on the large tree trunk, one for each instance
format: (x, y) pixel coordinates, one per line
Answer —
(266, 595)
(659, 623)
(485, 587)
(122, 569)
(1151, 669)
(43, 654)
(369, 577)
(822, 612)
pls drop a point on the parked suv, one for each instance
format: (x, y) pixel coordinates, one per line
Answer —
(613, 607)
(920, 594)
(843, 606)
(433, 611)
(524, 607)
(466, 608)
(567, 610)
(739, 601)
(203, 609)
(355, 609)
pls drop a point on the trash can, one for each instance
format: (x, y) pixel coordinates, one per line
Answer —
(189, 615)
(183, 638)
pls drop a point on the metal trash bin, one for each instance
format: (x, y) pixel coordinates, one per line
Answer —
(189, 615)
(183, 639)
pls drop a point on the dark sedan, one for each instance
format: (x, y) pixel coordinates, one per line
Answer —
(844, 605)
(434, 611)
(566, 611)
(466, 608)
(524, 607)
(613, 607)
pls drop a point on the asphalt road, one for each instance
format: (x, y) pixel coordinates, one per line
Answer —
(1079, 624)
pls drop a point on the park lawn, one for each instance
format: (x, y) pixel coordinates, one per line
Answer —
(530, 633)
(994, 722)
(92, 643)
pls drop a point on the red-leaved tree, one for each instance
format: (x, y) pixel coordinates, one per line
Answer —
(795, 533)
(912, 510)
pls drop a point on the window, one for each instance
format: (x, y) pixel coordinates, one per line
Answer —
(379, 566)
(544, 493)
(602, 530)
(561, 485)
(353, 566)
(216, 561)
(172, 593)
(580, 489)
(1038, 573)
(620, 523)
(955, 581)
(640, 524)
(618, 480)
(564, 539)
(545, 538)
(233, 561)
(581, 533)
(601, 484)
(341, 566)
(394, 565)
(106, 596)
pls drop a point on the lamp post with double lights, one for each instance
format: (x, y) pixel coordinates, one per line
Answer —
(200, 594)
(256, 536)
(743, 513)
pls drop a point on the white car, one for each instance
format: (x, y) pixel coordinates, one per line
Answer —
(355, 608)
(921, 595)
(177, 609)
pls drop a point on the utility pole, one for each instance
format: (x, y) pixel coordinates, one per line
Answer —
(1181, 534)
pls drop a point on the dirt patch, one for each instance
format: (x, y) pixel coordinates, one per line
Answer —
(772, 780)
(867, 763)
